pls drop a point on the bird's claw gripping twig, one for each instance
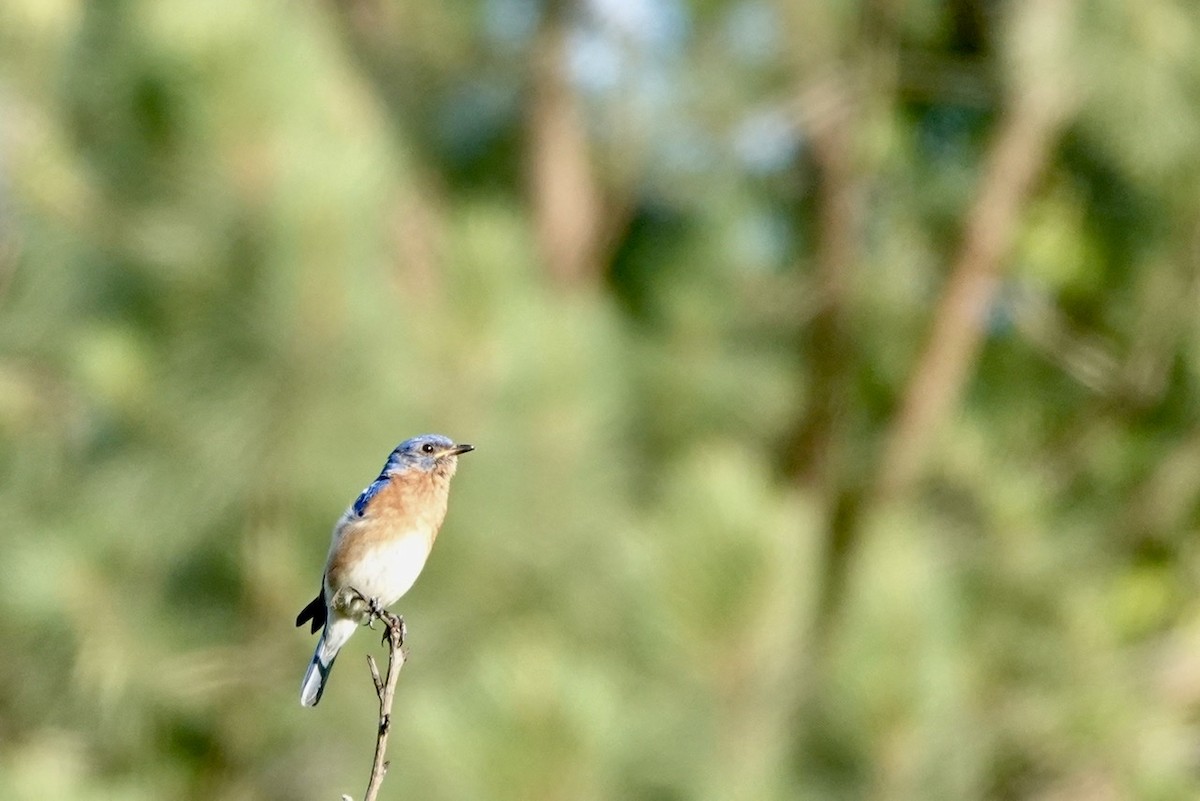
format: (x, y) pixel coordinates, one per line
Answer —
(374, 612)
(393, 624)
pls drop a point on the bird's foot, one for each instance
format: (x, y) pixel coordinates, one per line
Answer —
(394, 627)
(375, 612)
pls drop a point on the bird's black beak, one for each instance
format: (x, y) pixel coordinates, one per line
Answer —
(459, 450)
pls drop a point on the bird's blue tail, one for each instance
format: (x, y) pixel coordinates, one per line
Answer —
(315, 677)
(336, 632)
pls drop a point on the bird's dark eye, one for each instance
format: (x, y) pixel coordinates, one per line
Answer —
(427, 447)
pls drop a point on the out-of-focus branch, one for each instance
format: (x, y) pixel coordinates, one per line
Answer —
(839, 214)
(833, 114)
(1019, 152)
(8, 262)
(385, 688)
(9, 239)
(563, 191)
(832, 110)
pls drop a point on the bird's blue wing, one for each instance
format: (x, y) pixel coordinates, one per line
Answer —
(364, 499)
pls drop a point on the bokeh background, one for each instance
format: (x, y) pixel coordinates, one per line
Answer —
(834, 369)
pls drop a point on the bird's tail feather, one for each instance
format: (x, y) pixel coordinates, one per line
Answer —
(332, 639)
(315, 677)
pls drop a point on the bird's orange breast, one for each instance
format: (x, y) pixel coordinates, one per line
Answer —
(408, 507)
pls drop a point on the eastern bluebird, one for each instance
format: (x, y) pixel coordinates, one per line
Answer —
(379, 547)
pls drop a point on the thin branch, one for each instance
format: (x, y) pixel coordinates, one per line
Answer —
(375, 674)
(394, 635)
(395, 641)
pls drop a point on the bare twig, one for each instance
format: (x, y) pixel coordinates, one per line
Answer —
(394, 634)
(375, 675)
(395, 640)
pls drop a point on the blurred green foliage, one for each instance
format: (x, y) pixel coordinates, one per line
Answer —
(245, 248)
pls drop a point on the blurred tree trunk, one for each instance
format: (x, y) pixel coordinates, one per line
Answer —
(827, 344)
(835, 109)
(823, 435)
(561, 182)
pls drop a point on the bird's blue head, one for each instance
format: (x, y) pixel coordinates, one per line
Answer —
(427, 453)
(430, 454)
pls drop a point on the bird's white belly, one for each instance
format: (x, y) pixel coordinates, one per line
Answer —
(388, 570)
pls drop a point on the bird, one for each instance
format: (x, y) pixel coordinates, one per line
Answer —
(379, 547)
